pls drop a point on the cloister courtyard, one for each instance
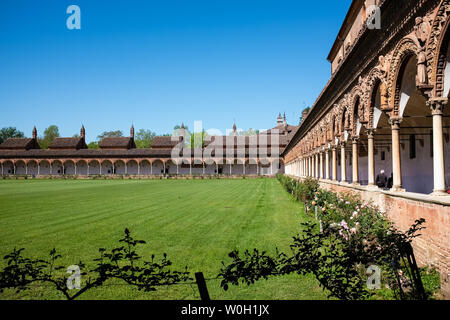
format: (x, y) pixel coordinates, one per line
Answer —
(196, 222)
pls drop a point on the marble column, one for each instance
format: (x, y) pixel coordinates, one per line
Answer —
(355, 173)
(334, 163)
(396, 160)
(321, 165)
(437, 110)
(327, 164)
(343, 166)
(371, 158)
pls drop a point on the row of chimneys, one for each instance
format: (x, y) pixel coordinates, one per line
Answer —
(83, 132)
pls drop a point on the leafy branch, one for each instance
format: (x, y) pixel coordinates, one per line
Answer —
(123, 263)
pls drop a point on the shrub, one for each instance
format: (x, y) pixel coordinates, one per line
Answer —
(353, 235)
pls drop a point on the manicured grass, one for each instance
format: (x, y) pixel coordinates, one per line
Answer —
(196, 222)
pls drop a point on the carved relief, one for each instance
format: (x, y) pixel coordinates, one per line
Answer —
(435, 42)
(405, 48)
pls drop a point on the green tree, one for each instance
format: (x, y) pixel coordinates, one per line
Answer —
(144, 138)
(110, 134)
(10, 132)
(50, 134)
(93, 145)
(307, 109)
(249, 132)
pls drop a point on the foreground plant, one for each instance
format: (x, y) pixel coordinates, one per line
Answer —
(353, 238)
(122, 263)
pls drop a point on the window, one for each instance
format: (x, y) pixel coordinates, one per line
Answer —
(412, 146)
(383, 156)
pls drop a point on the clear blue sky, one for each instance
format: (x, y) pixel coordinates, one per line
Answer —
(159, 63)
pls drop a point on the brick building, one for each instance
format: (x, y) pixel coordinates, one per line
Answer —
(385, 108)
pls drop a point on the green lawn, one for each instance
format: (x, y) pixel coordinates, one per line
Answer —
(196, 222)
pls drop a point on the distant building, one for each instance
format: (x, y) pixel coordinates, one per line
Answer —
(226, 155)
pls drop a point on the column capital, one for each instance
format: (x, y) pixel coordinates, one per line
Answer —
(371, 133)
(437, 105)
(355, 139)
(395, 122)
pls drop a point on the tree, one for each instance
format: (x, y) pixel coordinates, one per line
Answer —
(198, 139)
(305, 112)
(10, 132)
(110, 134)
(50, 134)
(121, 263)
(93, 145)
(249, 132)
(144, 138)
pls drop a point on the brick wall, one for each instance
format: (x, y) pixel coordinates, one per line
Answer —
(432, 248)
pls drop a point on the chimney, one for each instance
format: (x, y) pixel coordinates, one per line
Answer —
(34, 133)
(132, 131)
(234, 129)
(82, 132)
(183, 131)
(279, 120)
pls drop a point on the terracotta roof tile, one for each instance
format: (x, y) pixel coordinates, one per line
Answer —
(117, 143)
(68, 143)
(19, 143)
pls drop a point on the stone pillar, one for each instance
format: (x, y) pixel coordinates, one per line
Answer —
(343, 167)
(355, 176)
(334, 163)
(437, 109)
(304, 167)
(321, 165)
(396, 162)
(371, 158)
(327, 164)
(315, 166)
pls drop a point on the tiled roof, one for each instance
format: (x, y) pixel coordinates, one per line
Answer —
(165, 142)
(19, 143)
(68, 143)
(117, 143)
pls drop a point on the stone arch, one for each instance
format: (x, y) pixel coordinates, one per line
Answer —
(132, 167)
(119, 166)
(106, 166)
(158, 167)
(440, 72)
(57, 167)
(32, 167)
(438, 32)
(356, 122)
(81, 166)
(69, 167)
(20, 166)
(94, 166)
(406, 49)
(145, 166)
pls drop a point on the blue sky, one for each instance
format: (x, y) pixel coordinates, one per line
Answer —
(159, 63)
